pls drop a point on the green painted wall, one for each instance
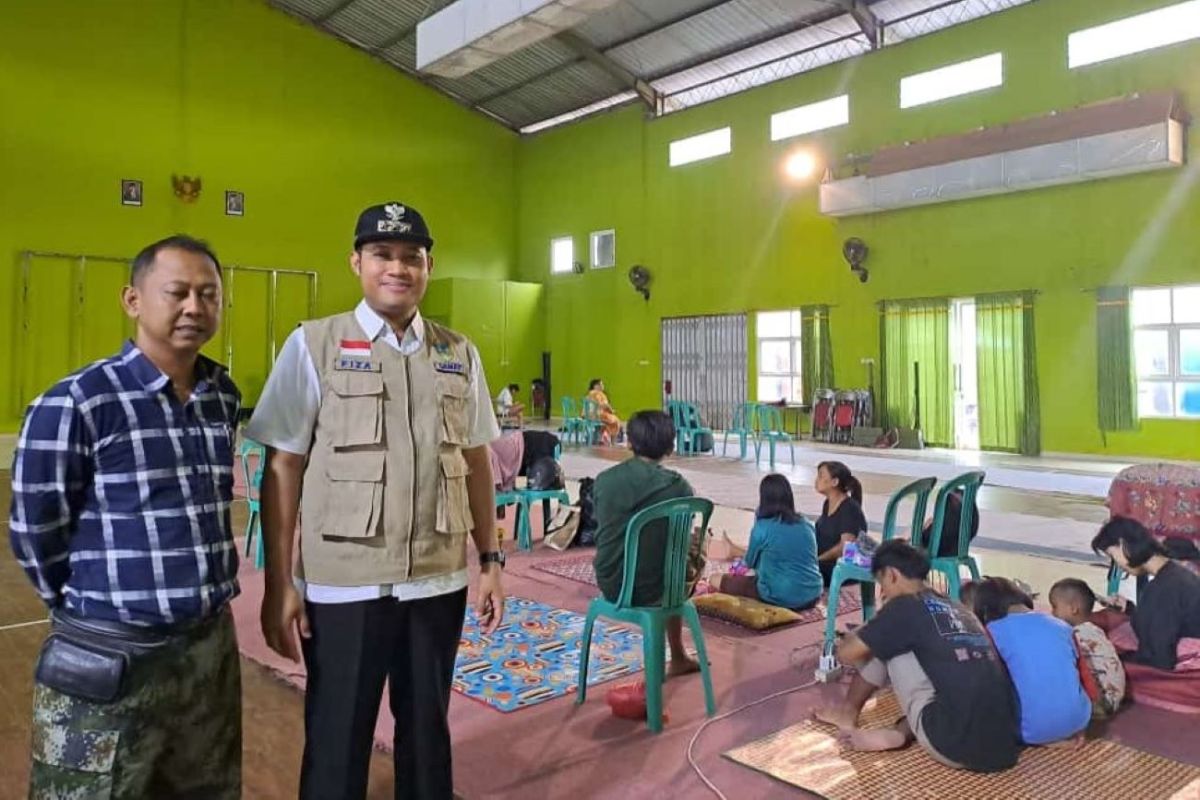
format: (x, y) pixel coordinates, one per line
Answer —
(503, 319)
(249, 99)
(729, 234)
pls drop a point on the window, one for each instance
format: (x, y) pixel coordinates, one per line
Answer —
(813, 117)
(699, 147)
(1159, 28)
(604, 249)
(562, 255)
(779, 357)
(952, 81)
(1166, 347)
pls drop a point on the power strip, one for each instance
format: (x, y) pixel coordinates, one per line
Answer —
(828, 669)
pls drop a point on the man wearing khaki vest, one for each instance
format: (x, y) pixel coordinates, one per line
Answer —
(377, 423)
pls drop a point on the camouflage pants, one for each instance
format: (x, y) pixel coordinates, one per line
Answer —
(176, 732)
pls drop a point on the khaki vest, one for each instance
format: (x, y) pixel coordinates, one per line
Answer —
(385, 487)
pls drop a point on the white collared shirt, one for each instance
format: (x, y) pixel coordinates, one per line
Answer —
(286, 415)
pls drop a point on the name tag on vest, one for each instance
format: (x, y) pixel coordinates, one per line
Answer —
(451, 367)
(357, 364)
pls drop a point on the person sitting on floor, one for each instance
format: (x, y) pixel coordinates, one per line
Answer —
(620, 492)
(1040, 654)
(842, 519)
(1168, 609)
(951, 521)
(782, 552)
(510, 412)
(1073, 601)
(608, 418)
(947, 676)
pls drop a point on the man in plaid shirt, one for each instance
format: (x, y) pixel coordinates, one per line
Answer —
(122, 484)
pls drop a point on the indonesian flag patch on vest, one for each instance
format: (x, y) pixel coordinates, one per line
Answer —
(356, 348)
(355, 355)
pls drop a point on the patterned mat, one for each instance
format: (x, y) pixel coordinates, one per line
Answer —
(809, 756)
(579, 568)
(534, 655)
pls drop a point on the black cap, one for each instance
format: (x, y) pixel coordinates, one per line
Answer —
(391, 221)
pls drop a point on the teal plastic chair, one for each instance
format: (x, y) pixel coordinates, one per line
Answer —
(741, 425)
(969, 483)
(771, 431)
(844, 571)
(591, 421)
(252, 450)
(572, 423)
(688, 428)
(679, 515)
(524, 499)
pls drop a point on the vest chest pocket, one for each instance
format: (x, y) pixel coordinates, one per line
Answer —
(454, 397)
(354, 409)
(454, 505)
(354, 505)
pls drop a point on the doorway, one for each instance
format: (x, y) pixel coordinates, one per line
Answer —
(965, 367)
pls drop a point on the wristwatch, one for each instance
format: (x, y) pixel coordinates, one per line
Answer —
(493, 557)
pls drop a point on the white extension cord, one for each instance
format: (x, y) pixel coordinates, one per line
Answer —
(691, 758)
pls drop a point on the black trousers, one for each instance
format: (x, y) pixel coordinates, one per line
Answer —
(356, 646)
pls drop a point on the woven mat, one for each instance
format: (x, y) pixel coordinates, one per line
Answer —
(809, 756)
(579, 568)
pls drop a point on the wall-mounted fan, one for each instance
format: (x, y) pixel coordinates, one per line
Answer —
(855, 251)
(639, 276)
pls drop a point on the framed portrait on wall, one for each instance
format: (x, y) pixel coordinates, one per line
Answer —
(235, 204)
(131, 193)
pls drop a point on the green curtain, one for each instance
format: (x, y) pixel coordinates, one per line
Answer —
(917, 332)
(1116, 383)
(816, 351)
(1009, 407)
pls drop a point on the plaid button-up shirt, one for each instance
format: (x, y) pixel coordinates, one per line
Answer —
(121, 493)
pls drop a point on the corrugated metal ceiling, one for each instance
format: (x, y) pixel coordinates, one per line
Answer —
(690, 51)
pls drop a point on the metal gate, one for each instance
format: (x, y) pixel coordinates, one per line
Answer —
(69, 312)
(704, 359)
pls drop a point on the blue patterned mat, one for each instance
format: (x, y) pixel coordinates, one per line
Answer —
(534, 655)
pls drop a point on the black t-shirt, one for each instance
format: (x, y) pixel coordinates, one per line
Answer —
(1168, 610)
(972, 719)
(848, 518)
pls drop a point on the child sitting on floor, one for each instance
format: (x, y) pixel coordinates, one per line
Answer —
(1042, 662)
(1073, 601)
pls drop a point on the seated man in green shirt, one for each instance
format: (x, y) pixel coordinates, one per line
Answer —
(622, 491)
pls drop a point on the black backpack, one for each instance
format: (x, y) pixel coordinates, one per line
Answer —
(586, 536)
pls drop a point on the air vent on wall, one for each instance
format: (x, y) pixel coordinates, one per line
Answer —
(1136, 134)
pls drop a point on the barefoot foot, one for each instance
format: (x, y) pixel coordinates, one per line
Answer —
(682, 665)
(876, 740)
(839, 716)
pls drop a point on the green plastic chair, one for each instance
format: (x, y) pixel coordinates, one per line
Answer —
(770, 431)
(969, 483)
(573, 427)
(741, 425)
(678, 515)
(591, 421)
(249, 450)
(688, 428)
(844, 571)
(524, 499)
